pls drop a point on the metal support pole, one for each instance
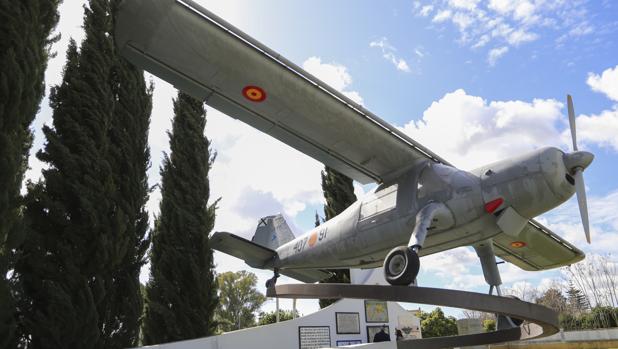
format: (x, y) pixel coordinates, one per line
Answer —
(485, 251)
(277, 308)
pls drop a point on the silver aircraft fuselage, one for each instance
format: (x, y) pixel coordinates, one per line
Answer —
(365, 232)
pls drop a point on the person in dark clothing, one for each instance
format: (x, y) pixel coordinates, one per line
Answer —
(382, 336)
(398, 335)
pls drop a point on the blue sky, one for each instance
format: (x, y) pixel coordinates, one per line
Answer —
(475, 81)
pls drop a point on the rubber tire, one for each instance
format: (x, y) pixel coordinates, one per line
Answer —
(410, 271)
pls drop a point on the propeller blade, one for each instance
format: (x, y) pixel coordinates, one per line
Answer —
(580, 188)
(572, 121)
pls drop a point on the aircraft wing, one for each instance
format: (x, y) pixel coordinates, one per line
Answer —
(536, 248)
(204, 56)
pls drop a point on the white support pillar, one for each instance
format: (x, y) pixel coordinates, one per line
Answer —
(277, 309)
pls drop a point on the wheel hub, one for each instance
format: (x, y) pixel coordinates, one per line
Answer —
(397, 265)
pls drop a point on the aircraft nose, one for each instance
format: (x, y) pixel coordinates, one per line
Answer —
(578, 159)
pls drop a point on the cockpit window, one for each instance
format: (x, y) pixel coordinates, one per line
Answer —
(383, 199)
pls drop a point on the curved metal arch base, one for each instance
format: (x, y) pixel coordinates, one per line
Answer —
(541, 321)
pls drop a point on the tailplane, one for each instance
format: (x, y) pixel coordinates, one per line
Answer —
(271, 232)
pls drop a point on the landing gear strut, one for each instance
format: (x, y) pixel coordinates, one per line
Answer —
(273, 280)
(485, 252)
(402, 264)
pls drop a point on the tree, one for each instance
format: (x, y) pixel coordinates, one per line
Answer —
(129, 156)
(553, 299)
(238, 300)
(594, 283)
(338, 192)
(576, 301)
(489, 325)
(85, 241)
(271, 316)
(339, 195)
(317, 220)
(181, 293)
(75, 227)
(24, 51)
(596, 278)
(435, 324)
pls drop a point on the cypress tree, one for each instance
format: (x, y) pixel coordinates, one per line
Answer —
(129, 156)
(25, 28)
(77, 229)
(317, 221)
(576, 300)
(58, 269)
(181, 294)
(339, 194)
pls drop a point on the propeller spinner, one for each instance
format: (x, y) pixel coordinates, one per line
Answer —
(576, 162)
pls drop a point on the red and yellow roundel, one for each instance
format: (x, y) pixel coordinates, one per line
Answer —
(254, 93)
(313, 239)
(518, 244)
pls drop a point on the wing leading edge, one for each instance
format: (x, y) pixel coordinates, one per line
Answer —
(536, 248)
(208, 58)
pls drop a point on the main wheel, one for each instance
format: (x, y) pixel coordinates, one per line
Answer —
(401, 266)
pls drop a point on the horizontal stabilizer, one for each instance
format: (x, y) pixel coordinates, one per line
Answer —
(253, 254)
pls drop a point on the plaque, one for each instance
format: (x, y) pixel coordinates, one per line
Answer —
(313, 337)
(348, 323)
(372, 330)
(345, 342)
(376, 311)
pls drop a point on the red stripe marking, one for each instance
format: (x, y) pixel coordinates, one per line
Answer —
(491, 206)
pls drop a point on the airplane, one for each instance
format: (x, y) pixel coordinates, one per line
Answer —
(421, 205)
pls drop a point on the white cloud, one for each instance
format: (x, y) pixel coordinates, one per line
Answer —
(335, 75)
(464, 4)
(426, 10)
(442, 16)
(456, 268)
(509, 23)
(388, 52)
(518, 37)
(495, 54)
(601, 129)
(480, 132)
(603, 213)
(606, 83)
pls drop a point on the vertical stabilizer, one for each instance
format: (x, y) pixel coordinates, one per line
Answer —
(272, 232)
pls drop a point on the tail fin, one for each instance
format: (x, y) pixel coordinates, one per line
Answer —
(272, 232)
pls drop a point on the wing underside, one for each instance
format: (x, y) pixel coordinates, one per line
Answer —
(208, 58)
(536, 248)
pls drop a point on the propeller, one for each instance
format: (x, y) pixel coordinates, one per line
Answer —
(576, 162)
